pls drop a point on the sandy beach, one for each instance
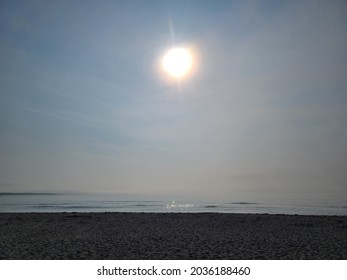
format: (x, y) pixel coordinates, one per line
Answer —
(171, 236)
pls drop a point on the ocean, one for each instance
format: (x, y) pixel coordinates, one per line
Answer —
(48, 202)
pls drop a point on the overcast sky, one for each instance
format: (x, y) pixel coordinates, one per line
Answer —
(84, 108)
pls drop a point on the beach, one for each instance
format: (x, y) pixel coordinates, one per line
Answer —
(216, 236)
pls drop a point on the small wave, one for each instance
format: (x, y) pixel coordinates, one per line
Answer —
(210, 206)
(128, 201)
(244, 203)
(338, 207)
(67, 207)
(145, 205)
(47, 206)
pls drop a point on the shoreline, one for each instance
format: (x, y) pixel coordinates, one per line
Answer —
(123, 235)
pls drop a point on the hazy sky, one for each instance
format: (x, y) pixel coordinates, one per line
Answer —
(83, 106)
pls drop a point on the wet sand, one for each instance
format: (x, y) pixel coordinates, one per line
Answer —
(171, 236)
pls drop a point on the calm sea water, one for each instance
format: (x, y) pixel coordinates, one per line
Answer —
(121, 203)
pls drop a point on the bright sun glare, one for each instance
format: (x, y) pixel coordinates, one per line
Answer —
(177, 62)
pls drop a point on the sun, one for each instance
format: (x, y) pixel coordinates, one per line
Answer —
(177, 62)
